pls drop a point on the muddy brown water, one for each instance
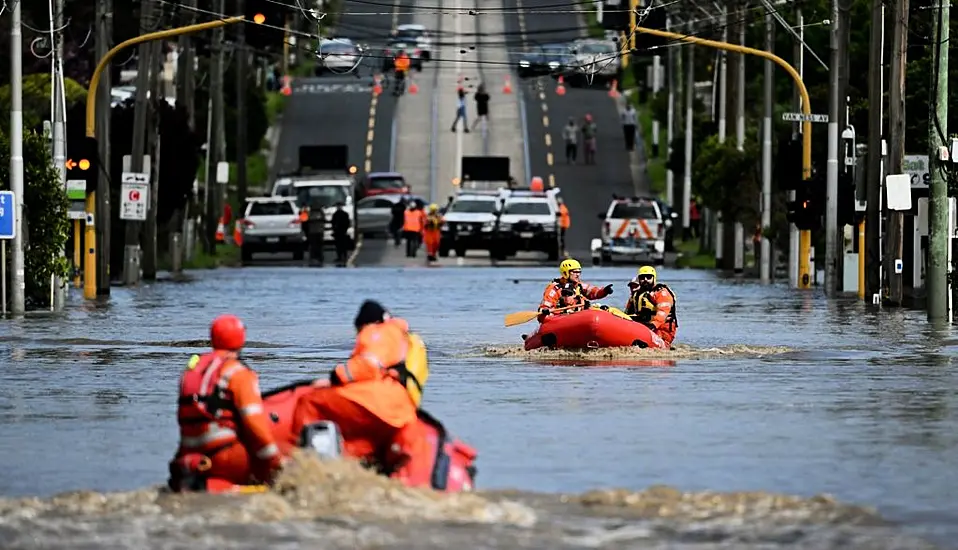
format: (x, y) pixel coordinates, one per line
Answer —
(783, 419)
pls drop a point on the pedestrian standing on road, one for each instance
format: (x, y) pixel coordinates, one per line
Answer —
(413, 221)
(461, 113)
(629, 123)
(398, 211)
(571, 136)
(315, 229)
(482, 106)
(341, 224)
(589, 130)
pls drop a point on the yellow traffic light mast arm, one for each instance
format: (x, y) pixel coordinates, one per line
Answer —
(104, 62)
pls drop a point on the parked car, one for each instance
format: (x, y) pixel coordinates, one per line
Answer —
(271, 224)
(545, 59)
(337, 55)
(418, 35)
(374, 213)
(392, 49)
(595, 59)
(632, 229)
(382, 183)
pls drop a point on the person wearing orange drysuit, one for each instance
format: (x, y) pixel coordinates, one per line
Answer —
(401, 65)
(653, 304)
(368, 399)
(414, 220)
(565, 221)
(569, 290)
(224, 434)
(432, 232)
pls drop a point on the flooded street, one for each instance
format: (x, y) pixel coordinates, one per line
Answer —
(772, 390)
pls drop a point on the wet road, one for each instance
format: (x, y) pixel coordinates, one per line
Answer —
(586, 189)
(859, 405)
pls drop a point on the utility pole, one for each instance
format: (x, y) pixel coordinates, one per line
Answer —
(896, 130)
(719, 238)
(185, 81)
(242, 60)
(765, 269)
(141, 109)
(157, 94)
(656, 88)
(873, 253)
(798, 58)
(59, 131)
(831, 183)
(18, 303)
(689, 105)
(738, 258)
(214, 146)
(938, 238)
(104, 112)
(671, 69)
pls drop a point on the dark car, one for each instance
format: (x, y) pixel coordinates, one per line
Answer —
(392, 49)
(545, 59)
(381, 183)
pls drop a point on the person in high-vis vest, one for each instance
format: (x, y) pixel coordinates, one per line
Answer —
(653, 304)
(374, 396)
(414, 220)
(432, 232)
(401, 66)
(224, 433)
(565, 221)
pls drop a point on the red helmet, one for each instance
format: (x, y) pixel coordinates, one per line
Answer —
(227, 333)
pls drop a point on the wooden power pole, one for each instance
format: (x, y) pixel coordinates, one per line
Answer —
(896, 149)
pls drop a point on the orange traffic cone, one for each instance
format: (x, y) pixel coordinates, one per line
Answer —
(220, 231)
(286, 90)
(377, 87)
(507, 87)
(237, 233)
(560, 87)
(614, 90)
(413, 87)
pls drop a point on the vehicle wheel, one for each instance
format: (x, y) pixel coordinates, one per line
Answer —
(606, 259)
(246, 256)
(460, 252)
(444, 252)
(298, 255)
(554, 254)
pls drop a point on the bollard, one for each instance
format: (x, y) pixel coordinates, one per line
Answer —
(176, 253)
(131, 271)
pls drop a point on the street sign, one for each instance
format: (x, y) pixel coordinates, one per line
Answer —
(916, 166)
(802, 117)
(76, 193)
(8, 213)
(134, 196)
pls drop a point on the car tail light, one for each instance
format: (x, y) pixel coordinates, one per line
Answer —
(417, 52)
(295, 222)
(247, 224)
(661, 230)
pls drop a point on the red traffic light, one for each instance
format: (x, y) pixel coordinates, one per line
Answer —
(259, 18)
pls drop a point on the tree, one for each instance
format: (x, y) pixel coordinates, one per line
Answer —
(727, 178)
(36, 99)
(45, 226)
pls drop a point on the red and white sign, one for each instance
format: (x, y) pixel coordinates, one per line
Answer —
(134, 196)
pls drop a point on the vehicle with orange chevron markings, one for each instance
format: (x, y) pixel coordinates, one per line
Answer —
(632, 229)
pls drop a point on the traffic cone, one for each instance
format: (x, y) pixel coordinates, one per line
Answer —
(560, 87)
(413, 87)
(377, 87)
(237, 234)
(286, 90)
(614, 90)
(507, 87)
(220, 231)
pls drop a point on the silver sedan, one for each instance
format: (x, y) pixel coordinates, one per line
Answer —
(374, 213)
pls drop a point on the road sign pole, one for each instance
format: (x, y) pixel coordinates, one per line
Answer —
(18, 303)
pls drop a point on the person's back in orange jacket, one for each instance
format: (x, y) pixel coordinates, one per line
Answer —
(224, 433)
(413, 220)
(368, 399)
(402, 62)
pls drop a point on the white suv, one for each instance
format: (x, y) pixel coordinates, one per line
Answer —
(529, 221)
(631, 229)
(470, 223)
(420, 35)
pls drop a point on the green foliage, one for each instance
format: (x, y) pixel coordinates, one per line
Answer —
(36, 99)
(725, 177)
(257, 119)
(45, 215)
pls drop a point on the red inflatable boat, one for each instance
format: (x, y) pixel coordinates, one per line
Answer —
(592, 328)
(450, 466)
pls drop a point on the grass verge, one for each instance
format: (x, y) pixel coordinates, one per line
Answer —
(275, 103)
(692, 256)
(226, 256)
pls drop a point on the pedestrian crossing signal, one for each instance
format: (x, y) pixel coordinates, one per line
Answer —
(82, 163)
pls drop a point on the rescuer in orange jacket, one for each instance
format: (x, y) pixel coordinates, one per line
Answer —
(414, 220)
(432, 232)
(224, 434)
(569, 290)
(565, 221)
(368, 399)
(653, 304)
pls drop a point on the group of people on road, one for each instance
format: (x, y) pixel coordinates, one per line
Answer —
(481, 98)
(313, 223)
(570, 134)
(417, 225)
(228, 436)
(650, 301)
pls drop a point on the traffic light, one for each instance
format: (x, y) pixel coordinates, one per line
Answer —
(806, 210)
(847, 215)
(788, 164)
(265, 20)
(83, 163)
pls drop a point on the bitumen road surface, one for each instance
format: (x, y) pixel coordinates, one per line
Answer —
(587, 190)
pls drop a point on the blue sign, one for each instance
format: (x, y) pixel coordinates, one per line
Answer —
(8, 209)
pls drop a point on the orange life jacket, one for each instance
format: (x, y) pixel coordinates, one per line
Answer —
(206, 413)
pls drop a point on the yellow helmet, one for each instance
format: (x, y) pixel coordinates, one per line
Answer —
(647, 270)
(434, 208)
(568, 265)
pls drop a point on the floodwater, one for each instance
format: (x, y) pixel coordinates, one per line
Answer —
(771, 392)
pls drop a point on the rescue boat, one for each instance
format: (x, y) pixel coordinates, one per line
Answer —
(449, 465)
(590, 329)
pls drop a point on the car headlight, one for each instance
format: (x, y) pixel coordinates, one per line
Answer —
(445, 227)
(659, 246)
(553, 64)
(523, 63)
(549, 228)
(488, 226)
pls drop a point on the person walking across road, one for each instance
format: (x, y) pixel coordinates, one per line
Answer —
(341, 224)
(413, 222)
(570, 133)
(589, 130)
(629, 122)
(461, 113)
(482, 107)
(398, 212)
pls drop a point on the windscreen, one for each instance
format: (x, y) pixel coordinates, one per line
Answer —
(473, 207)
(387, 183)
(410, 34)
(321, 196)
(527, 208)
(284, 208)
(640, 211)
(337, 48)
(596, 48)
